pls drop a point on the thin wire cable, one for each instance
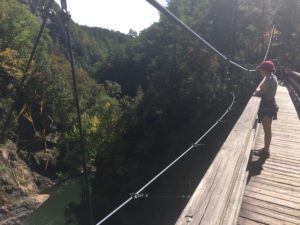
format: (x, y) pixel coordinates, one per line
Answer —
(165, 196)
(239, 66)
(138, 193)
(71, 57)
(180, 23)
(114, 211)
(270, 42)
(183, 25)
(165, 11)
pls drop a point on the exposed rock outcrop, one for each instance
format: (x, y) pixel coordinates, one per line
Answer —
(19, 187)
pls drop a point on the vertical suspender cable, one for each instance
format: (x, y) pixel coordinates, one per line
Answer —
(270, 43)
(46, 14)
(71, 58)
(262, 26)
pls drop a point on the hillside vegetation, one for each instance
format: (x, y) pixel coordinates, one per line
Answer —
(143, 97)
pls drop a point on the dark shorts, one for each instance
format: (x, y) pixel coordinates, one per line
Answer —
(267, 108)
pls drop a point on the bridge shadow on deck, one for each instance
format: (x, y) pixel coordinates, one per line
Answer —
(272, 193)
(255, 166)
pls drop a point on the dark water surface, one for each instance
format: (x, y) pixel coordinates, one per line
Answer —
(166, 196)
(55, 210)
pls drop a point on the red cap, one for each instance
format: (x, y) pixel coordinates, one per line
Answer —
(267, 66)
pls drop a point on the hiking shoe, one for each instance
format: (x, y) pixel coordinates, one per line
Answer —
(262, 153)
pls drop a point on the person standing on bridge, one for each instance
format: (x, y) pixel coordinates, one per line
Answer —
(268, 107)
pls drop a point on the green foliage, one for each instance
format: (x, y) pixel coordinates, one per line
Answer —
(18, 28)
(3, 169)
(138, 93)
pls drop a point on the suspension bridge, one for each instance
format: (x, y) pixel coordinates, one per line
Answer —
(238, 187)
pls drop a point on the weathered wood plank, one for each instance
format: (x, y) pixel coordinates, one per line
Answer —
(244, 221)
(272, 196)
(269, 212)
(285, 170)
(233, 208)
(294, 200)
(272, 206)
(286, 177)
(275, 170)
(275, 189)
(290, 161)
(262, 218)
(214, 194)
(284, 184)
(280, 180)
(292, 168)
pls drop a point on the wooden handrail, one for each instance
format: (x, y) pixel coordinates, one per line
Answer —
(295, 74)
(293, 85)
(217, 199)
(294, 80)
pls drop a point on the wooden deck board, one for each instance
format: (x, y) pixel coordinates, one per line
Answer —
(272, 195)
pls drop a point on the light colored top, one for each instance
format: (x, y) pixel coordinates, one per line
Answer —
(267, 88)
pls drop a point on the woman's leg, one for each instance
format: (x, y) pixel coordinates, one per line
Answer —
(267, 122)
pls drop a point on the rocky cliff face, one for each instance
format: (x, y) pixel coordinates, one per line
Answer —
(19, 186)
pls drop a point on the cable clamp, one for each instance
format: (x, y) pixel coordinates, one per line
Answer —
(136, 195)
(197, 145)
(220, 121)
(227, 60)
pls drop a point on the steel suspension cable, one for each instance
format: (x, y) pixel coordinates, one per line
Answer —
(183, 25)
(67, 18)
(196, 144)
(169, 14)
(187, 28)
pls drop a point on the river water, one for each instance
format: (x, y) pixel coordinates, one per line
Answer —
(161, 207)
(57, 209)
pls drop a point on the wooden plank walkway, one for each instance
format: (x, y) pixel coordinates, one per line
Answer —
(272, 194)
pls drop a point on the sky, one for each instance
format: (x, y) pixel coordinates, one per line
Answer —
(117, 15)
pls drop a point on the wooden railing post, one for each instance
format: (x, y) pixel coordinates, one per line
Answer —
(293, 85)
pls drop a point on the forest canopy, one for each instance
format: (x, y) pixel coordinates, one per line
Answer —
(138, 93)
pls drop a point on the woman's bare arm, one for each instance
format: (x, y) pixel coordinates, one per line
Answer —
(261, 88)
